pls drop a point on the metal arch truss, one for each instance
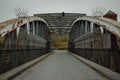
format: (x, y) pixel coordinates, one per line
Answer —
(26, 33)
(105, 24)
(21, 21)
(23, 40)
(96, 39)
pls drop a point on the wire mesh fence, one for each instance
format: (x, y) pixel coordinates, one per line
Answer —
(106, 57)
(10, 59)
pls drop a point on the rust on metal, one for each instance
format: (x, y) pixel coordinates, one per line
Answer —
(8, 22)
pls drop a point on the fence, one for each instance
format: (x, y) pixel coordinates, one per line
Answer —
(10, 59)
(106, 57)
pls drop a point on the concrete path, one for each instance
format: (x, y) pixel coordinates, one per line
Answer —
(60, 66)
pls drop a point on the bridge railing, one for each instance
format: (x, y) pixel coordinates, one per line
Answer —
(106, 57)
(10, 59)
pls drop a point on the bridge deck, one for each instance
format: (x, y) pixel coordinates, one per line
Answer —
(60, 66)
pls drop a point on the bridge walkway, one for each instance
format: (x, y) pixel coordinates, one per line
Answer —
(60, 66)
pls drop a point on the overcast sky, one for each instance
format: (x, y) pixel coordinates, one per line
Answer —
(55, 6)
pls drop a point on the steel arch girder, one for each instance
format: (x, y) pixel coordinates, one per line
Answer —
(14, 25)
(105, 24)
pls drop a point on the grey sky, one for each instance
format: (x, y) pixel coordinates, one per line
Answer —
(53, 6)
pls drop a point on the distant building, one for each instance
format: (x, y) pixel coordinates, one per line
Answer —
(111, 15)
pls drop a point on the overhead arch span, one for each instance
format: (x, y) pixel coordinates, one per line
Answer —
(10, 25)
(108, 24)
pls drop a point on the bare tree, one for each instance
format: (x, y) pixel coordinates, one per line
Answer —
(21, 12)
(98, 11)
